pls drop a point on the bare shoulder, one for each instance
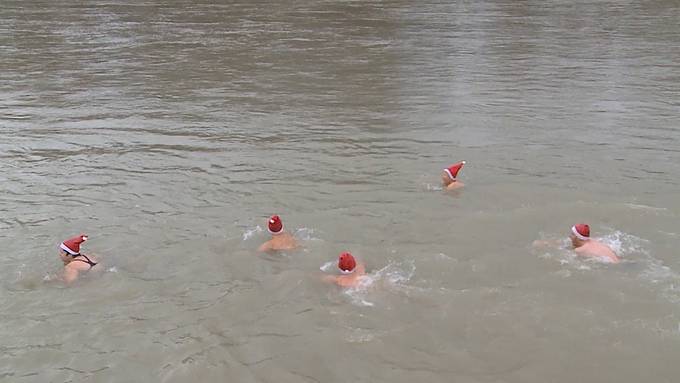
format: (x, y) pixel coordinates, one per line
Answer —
(455, 185)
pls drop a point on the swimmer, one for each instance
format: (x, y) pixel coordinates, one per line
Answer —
(352, 272)
(584, 246)
(281, 240)
(74, 261)
(449, 176)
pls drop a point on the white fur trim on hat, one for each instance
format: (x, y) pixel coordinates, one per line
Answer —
(347, 271)
(578, 235)
(66, 249)
(275, 232)
(449, 172)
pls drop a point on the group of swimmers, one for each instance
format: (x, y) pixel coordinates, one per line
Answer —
(350, 271)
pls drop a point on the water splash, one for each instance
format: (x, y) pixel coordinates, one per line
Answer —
(328, 267)
(359, 335)
(632, 250)
(393, 277)
(249, 233)
(430, 187)
(396, 274)
(625, 245)
(306, 234)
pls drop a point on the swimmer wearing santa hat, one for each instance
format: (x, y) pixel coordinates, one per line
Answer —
(585, 246)
(75, 261)
(351, 272)
(449, 176)
(281, 240)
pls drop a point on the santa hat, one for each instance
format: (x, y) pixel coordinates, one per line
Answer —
(453, 170)
(275, 225)
(72, 246)
(346, 263)
(581, 231)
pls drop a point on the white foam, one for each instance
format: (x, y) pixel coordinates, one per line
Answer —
(358, 294)
(645, 207)
(446, 257)
(306, 234)
(251, 232)
(563, 273)
(327, 267)
(394, 276)
(360, 336)
(655, 271)
(397, 273)
(357, 299)
(624, 244)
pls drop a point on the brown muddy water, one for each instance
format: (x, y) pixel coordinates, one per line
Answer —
(169, 130)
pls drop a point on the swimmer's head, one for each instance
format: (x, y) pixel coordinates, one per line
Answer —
(71, 248)
(580, 233)
(449, 174)
(346, 263)
(275, 226)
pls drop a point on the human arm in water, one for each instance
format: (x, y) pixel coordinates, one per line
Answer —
(329, 278)
(455, 185)
(265, 247)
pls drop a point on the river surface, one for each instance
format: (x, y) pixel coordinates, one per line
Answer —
(170, 130)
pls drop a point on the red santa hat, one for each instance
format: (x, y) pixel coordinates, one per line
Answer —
(453, 170)
(581, 231)
(275, 225)
(346, 263)
(72, 245)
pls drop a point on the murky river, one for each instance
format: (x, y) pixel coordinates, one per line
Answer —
(170, 130)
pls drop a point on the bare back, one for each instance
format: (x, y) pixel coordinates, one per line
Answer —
(79, 264)
(596, 249)
(351, 280)
(283, 241)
